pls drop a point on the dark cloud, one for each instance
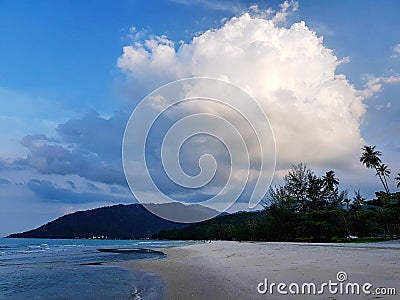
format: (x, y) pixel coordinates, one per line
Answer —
(92, 187)
(5, 165)
(51, 192)
(48, 190)
(71, 184)
(116, 189)
(55, 159)
(4, 181)
(30, 140)
(95, 134)
(89, 147)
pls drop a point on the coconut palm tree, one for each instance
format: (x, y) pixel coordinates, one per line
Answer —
(383, 171)
(330, 181)
(398, 178)
(370, 158)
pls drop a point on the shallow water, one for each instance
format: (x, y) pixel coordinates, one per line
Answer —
(73, 269)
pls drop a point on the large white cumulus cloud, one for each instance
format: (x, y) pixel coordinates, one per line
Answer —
(315, 112)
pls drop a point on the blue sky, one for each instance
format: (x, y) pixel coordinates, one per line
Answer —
(67, 89)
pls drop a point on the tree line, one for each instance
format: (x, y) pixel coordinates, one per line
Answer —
(307, 207)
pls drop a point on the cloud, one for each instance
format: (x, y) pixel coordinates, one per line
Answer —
(71, 184)
(214, 5)
(3, 164)
(287, 8)
(30, 140)
(89, 147)
(382, 106)
(22, 111)
(396, 50)
(80, 167)
(50, 191)
(26, 205)
(92, 187)
(4, 181)
(375, 84)
(315, 112)
(344, 60)
(94, 134)
(7, 165)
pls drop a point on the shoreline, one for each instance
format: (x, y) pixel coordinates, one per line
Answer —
(232, 270)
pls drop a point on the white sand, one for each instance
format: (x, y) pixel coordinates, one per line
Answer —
(232, 270)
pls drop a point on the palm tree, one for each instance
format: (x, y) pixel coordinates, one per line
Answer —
(370, 158)
(330, 181)
(383, 171)
(398, 178)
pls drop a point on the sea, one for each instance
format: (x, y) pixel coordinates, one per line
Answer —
(76, 269)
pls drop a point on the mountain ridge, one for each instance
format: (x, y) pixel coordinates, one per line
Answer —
(132, 221)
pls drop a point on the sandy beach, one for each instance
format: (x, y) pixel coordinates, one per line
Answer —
(233, 270)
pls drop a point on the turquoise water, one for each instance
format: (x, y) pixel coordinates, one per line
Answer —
(75, 269)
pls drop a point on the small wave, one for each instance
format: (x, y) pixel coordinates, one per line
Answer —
(31, 251)
(151, 243)
(35, 246)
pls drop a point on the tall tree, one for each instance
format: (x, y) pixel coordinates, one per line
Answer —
(278, 197)
(316, 193)
(296, 184)
(398, 178)
(346, 201)
(370, 158)
(330, 181)
(358, 200)
(384, 172)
